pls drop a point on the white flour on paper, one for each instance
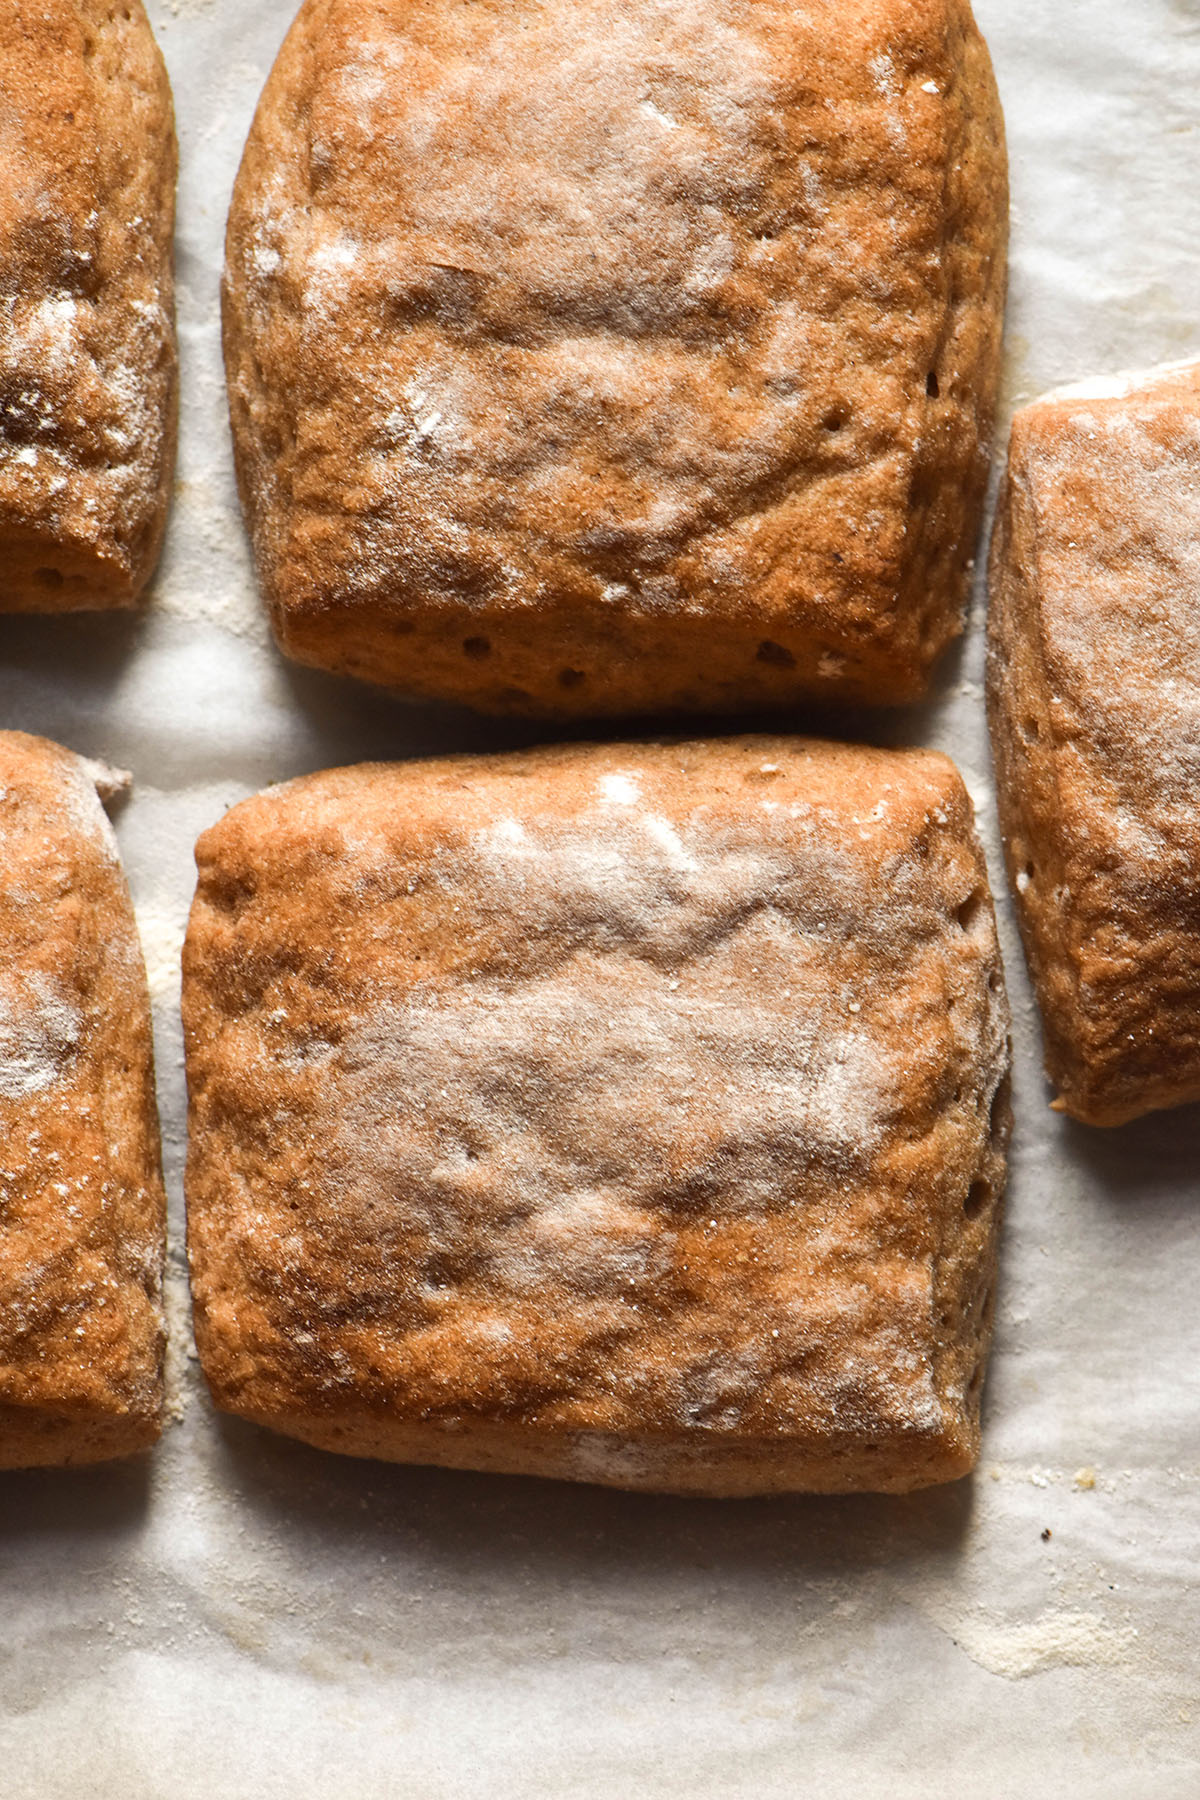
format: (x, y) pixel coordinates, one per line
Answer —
(241, 1615)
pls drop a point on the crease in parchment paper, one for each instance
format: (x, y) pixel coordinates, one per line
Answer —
(239, 1615)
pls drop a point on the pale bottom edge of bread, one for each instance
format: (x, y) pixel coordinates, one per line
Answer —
(44, 575)
(545, 667)
(41, 1438)
(739, 1469)
(17, 601)
(1110, 1104)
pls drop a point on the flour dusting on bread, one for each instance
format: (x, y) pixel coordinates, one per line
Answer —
(652, 1091)
(82, 1209)
(87, 352)
(611, 358)
(39, 1029)
(1095, 704)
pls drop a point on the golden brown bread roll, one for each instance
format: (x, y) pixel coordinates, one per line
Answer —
(87, 337)
(612, 356)
(82, 1210)
(632, 1114)
(1095, 712)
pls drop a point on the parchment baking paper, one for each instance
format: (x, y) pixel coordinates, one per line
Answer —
(239, 1618)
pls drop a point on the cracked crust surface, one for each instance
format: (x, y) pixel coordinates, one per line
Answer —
(633, 1114)
(82, 1209)
(619, 356)
(87, 337)
(1094, 692)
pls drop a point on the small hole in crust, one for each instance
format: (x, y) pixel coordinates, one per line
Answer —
(834, 419)
(571, 678)
(932, 385)
(1030, 730)
(775, 654)
(970, 909)
(978, 1195)
(477, 647)
(49, 578)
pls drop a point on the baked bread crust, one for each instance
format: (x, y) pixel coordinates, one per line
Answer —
(1094, 693)
(87, 337)
(632, 1114)
(619, 357)
(82, 1208)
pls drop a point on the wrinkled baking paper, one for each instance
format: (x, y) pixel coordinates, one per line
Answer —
(240, 1617)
